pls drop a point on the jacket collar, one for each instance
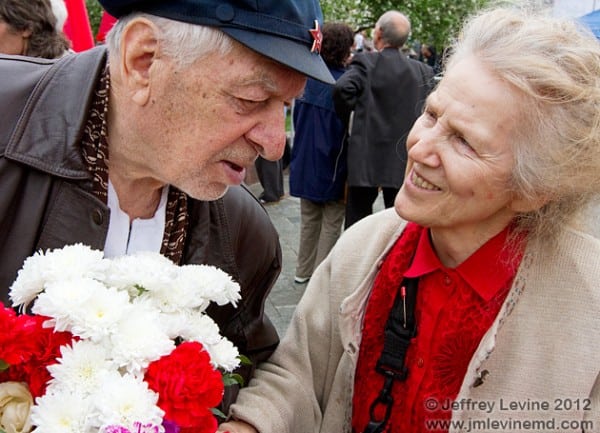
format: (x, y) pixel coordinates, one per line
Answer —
(48, 133)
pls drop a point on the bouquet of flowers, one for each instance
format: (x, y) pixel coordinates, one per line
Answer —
(113, 345)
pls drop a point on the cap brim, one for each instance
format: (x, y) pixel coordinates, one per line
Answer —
(292, 54)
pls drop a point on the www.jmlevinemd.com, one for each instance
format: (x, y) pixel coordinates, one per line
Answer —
(488, 424)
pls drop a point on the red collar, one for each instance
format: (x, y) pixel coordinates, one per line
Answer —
(487, 270)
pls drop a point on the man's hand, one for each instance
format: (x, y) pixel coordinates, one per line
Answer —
(236, 427)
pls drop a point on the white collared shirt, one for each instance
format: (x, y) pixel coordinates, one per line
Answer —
(127, 237)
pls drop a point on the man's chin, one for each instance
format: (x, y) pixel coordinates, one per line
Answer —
(210, 193)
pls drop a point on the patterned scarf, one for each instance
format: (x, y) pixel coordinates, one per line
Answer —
(94, 145)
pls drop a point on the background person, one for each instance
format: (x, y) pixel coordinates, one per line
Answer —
(270, 176)
(318, 163)
(31, 28)
(384, 91)
(500, 274)
(142, 145)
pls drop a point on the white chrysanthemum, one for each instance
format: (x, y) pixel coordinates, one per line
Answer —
(74, 261)
(64, 301)
(30, 281)
(61, 412)
(210, 283)
(224, 355)
(152, 271)
(100, 316)
(70, 262)
(140, 339)
(198, 327)
(80, 368)
(173, 298)
(125, 400)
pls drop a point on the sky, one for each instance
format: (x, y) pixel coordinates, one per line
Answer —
(574, 8)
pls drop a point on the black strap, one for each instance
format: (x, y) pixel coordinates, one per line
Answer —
(400, 328)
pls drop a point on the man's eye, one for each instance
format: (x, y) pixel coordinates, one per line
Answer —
(250, 103)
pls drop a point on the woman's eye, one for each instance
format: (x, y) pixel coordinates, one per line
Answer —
(464, 143)
(429, 117)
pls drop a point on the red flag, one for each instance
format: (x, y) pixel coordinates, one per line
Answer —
(77, 27)
(106, 23)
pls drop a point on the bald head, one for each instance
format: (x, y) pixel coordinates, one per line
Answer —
(392, 30)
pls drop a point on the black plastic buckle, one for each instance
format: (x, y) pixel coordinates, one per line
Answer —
(390, 372)
(384, 398)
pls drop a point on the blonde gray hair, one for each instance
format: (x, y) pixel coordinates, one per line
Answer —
(184, 43)
(554, 64)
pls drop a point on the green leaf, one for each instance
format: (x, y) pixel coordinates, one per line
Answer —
(233, 379)
(141, 289)
(244, 360)
(214, 410)
(3, 366)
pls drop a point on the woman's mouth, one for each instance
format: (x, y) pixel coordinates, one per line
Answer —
(423, 183)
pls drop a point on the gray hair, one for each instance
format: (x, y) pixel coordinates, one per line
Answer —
(554, 64)
(394, 27)
(184, 43)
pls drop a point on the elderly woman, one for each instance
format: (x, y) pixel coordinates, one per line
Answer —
(475, 305)
(31, 28)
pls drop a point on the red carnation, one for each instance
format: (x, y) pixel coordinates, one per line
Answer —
(188, 387)
(28, 348)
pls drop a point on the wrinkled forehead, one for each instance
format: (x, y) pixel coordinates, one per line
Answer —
(250, 68)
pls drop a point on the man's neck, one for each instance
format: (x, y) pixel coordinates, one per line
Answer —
(138, 198)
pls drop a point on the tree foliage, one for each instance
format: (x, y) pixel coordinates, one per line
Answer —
(433, 21)
(94, 10)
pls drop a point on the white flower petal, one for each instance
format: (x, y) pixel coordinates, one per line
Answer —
(224, 355)
(125, 400)
(81, 368)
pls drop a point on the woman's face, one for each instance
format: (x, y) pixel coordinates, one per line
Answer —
(460, 157)
(12, 41)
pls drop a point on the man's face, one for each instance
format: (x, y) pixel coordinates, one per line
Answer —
(205, 124)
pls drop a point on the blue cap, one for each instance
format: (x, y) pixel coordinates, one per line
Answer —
(288, 31)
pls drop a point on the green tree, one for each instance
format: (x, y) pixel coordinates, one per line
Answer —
(94, 10)
(433, 21)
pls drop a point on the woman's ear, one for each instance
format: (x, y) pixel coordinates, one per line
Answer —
(139, 50)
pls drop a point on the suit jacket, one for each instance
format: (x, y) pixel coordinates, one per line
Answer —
(386, 91)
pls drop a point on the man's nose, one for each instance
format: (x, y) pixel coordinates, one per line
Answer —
(269, 134)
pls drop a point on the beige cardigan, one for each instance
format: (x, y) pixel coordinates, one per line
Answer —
(541, 356)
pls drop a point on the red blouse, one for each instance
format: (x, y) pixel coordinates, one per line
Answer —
(455, 307)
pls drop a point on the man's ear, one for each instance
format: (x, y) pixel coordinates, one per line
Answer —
(139, 50)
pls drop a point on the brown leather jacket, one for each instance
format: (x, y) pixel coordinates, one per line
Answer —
(45, 203)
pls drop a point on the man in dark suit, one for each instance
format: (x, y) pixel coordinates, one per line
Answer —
(380, 96)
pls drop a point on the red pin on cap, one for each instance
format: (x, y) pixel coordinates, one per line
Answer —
(318, 38)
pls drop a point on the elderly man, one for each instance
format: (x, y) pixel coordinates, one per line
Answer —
(143, 146)
(385, 90)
